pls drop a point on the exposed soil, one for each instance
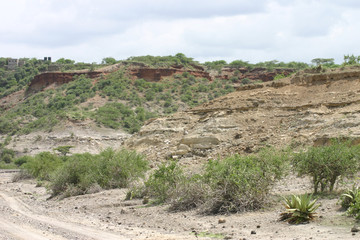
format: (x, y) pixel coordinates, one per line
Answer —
(307, 109)
(27, 214)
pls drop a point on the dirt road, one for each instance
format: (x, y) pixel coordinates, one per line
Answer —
(19, 221)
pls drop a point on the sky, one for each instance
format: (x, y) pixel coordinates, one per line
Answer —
(206, 30)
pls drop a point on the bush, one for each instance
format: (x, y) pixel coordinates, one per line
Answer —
(109, 169)
(116, 115)
(190, 192)
(299, 209)
(42, 165)
(22, 160)
(326, 164)
(240, 183)
(63, 150)
(245, 81)
(279, 76)
(7, 155)
(77, 172)
(237, 183)
(163, 180)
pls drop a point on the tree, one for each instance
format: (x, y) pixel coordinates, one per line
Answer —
(323, 61)
(328, 163)
(63, 149)
(65, 61)
(239, 63)
(108, 60)
(351, 59)
(183, 59)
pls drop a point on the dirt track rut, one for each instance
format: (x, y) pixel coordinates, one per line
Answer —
(18, 221)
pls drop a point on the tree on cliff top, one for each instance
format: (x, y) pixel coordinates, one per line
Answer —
(323, 61)
(108, 60)
(65, 61)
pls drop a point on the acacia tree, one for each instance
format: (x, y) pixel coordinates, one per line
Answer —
(63, 149)
(328, 163)
(323, 61)
(351, 59)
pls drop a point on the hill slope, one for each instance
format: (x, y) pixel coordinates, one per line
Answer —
(85, 108)
(309, 108)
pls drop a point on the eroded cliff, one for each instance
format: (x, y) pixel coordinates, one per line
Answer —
(308, 108)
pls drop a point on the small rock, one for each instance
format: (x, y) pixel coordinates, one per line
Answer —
(258, 226)
(221, 220)
(253, 232)
(355, 229)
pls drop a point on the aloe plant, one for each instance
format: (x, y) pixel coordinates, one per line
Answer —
(351, 201)
(299, 209)
(349, 197)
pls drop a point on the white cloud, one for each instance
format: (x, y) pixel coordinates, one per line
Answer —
(258, 30)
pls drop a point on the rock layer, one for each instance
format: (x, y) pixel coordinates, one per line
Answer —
(43, 80)
(290, 112)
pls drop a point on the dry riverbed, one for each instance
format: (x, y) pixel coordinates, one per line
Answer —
(27, 214)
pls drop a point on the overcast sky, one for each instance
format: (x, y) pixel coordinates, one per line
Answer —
(250, 30)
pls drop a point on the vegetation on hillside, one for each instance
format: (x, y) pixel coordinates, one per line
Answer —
(165, 61)
(14, 80)
(127, 102)
(269, 65)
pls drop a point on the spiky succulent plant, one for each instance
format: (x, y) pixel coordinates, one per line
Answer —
(299, 209)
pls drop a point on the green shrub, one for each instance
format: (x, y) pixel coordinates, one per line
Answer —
(22, 160)
(279, 76)
(163, 180)
(78, 171)
(299, 209)
(240, 183)
(245, 81)
(326, 164)
(116, 115)
(109, 169)
(42, 165)
(119, 168)
(6, 155)
(236, 183)
(7, 165)
(189, 193)
(63, 150)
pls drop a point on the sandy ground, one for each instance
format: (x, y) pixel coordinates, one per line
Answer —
(25, 213)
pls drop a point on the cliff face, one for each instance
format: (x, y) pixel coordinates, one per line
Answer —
(57, 78)
(138, 70)
(317, 107)
(261, 74)
(156, 74)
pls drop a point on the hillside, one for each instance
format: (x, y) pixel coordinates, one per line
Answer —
(308, 108)
(65, 104)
